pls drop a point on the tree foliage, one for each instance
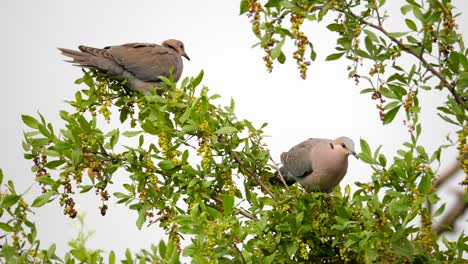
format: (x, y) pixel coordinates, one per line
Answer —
(199, 172)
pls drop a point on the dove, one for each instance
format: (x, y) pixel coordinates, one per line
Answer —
(141, 64)
(317, 164)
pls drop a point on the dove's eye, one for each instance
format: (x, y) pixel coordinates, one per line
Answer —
(343, 145)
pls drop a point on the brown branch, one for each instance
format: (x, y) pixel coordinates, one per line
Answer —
(241, 211)
(254, 175)
(447, 175)
(279, 174)
(240, 253)
(448, 221)
(460, 101)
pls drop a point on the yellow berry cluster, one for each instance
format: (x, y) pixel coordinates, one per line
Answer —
(166, 146)
(377, 68)
(151, 174)
(425, 237)
(205, 149)
(255, 8)
(68, 205)
(463, 154)
(300, 40)
(409, 100)
(303, 251)
(228, 182)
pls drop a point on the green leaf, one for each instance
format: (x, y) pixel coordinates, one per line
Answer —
(111, 257)
(411, 24)
(131, 133)
(336, 27)
(276, 51)
(273, 3)
(7, 228)
(292, 248)
(213, 212)
(425, 184)
(365, 147)
(141, 218)
(371, 35)
(162, 249)
(166, 165)
(228, 204)
(54, 164)
(44, 199)
(195, 82)
(1, 176)
(439, 211)
(397, 34)
(30, 121)
(405, 9)
(226, 130)
(390, 115)
(46, 180)
(9, 200)
(244, 7)
(334, 56)
(419, 15)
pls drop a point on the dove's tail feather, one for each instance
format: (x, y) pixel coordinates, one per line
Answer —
(99, 59)
(275, 180)
(79, 58)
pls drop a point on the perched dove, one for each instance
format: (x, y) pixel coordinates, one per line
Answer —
(317, 164)
(140, 64)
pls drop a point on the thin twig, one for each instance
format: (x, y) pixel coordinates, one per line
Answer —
(240, 253)
(279, 173)
(241, 211)
(254, 175)
(460, 101)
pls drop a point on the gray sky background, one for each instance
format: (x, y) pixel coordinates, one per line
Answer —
(218, 41)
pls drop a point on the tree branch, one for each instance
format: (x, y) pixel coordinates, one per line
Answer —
(447, 175)
(448, 221)
(254, 175)
(451, 88)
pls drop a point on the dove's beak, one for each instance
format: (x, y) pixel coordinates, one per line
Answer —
(186, 56)
(354, 154)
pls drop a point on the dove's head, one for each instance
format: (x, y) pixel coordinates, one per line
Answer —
(176, 45)
(345, 145)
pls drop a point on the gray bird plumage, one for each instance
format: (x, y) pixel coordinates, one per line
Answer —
(141, 64)
(317, 164)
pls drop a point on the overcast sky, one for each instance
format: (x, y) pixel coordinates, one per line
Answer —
(218, 41)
